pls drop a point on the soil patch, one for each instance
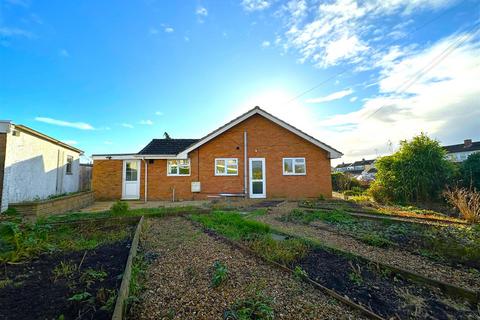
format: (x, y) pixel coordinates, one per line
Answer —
(35, 289)
(379, 290)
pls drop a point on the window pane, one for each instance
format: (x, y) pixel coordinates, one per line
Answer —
(287, 166)
(257, 171)
(184, 170)
(131, 171)
(232, 167)
(257, 187)
(299, 167)
(220, 166)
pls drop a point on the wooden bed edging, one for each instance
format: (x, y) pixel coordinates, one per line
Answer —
(322, 288)
(471, 296)
(393, 217)
(119, 311)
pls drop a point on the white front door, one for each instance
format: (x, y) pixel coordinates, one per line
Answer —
(131, 179)
(257, 178)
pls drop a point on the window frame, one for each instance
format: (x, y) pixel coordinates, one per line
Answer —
(69, 172)
(226, 166)
(178, 174)
(293, 166)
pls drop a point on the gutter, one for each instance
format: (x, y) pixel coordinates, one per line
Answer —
(245, 188)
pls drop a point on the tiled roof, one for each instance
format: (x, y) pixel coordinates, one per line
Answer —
(363, 162)
(167, 146)
(454, 148)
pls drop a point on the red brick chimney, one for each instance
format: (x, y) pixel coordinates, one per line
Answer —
(467, 143)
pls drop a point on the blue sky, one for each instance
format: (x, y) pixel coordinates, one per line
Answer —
(108, 76)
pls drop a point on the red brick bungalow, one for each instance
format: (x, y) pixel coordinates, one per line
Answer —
(255, 155)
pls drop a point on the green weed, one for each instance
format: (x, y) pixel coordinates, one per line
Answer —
(119, 208)
(299, 273)
(220, 274)
(253, 307)
(80, 297)
(284, 252)
(64, 270)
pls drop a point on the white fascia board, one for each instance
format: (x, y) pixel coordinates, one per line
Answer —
(334, 154)
(133, 156)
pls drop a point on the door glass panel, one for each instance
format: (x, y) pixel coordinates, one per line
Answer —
(131, 171)
(257, 170)
(257, 187)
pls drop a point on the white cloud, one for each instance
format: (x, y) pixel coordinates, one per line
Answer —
(186, 38)
(64, 53)
(168, 29)
(70, 142)
(153, 31)
(327, 34)
(442, 103)
(146, 122)
(159, 113)
(333, 96)
(265, 44)
(21, 3)
(353, 99)
(256, 5)
(127, 125)
(201, 11)
(6, 32)
(62, 123)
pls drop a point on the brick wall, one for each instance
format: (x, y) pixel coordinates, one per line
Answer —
(54, 206)
(3, 148)
(107, 179)
(265, 140)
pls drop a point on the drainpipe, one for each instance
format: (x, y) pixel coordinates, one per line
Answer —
(245, 188)
(146, 179)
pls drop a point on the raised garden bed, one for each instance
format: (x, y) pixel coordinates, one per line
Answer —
(195, 275)
(374, 287)
(69, 271)
(56, 205)
(455, 245)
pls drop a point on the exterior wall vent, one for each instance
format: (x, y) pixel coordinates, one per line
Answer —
(16, 133)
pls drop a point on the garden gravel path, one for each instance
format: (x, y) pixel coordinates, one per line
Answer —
(389, 256)
(179, 277)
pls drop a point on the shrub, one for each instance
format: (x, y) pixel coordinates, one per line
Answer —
(119, 207)
(376, 239)
(467, 201)
(418, 171)
(470, 171)
(344, 181)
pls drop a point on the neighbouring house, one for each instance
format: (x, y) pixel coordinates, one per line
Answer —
(355, 168)
(255, 155)
(460, 152)
(34, 165)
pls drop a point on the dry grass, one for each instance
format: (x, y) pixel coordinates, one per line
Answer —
(467, 202)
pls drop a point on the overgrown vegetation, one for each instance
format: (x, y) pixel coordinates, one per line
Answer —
(470, 172)
(417, 172)
(452, 244)
(23, 240)
(254, 234)
(467, 201)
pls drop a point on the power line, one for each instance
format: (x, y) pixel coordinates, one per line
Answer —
(374, 52)
(432, 64)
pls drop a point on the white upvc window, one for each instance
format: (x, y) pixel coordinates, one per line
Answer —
(178, 167)
(294, 167)
(226, 167)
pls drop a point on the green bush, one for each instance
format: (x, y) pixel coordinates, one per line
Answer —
(470, 171)
(418, 171)
(119, 207)
(344, 181)
(220, 273)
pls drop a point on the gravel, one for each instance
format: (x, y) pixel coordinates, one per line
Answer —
(390, 256)
(178, 282)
